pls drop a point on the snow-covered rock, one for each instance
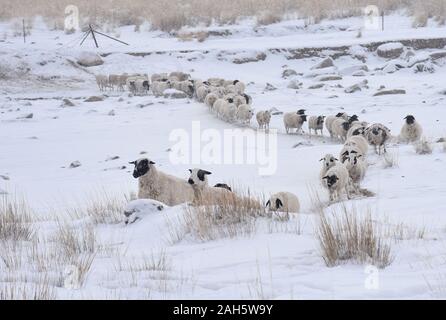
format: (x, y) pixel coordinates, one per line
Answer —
(94, 99)
(329, 77)
(288, 73)
(353, 69)
(327, 62)
(136, 209)
(89, 59)
(357, 87)
(318, 72)
(390, 50)
(390, 91)
(294, 84)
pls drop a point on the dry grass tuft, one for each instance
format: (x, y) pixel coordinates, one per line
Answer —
(221, 217)
(349, 236)
(15, 220)
(42, 290)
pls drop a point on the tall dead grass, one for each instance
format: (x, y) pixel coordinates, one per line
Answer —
(173, 14)
(351, 236)
(222, 217)
(15, 220)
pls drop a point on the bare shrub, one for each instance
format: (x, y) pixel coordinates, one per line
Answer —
(349, 236)
(74, 242)
(15, 220)
(220, 217)
(423, 146)
(42, 290)
(102, 209)
(268, 18)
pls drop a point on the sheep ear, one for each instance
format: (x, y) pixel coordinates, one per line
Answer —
(267, 203)
(279, 203)
(336, 159)
(359, 156)
(190, 170)
(133, 162)
(326, 177)
(345, 153)
(405, 118)
(151, 162)
(322, 159)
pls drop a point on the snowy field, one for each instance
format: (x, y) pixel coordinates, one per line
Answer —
(40, 136)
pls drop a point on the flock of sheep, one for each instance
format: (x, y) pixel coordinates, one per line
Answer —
(228, 101)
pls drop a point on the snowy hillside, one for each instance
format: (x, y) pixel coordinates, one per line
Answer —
(69, 158)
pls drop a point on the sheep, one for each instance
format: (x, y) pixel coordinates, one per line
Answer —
(181, 76)
(219, 107)
(244, 114)
(360, 142)
(131, 84)
(158, 87)
(203, 194)
(220, 91)
(224, 186)
(156, 185)
(113, 81)
(283, 202)
(229, 111)
(316, 123)
(336, 180)
(202, 92)
(293, 120)
(329, 121)
(247, 97)
(263, 119)
(122, 81)
(186, 86)
(357, 128)
(377, 135)
(210, 100)
(159, 77)
(216, 82)
(328, 161)
(340, 127)
(347, 151)
(239, 86)
(102, 82)
(142, 86)
(357, 169)
(411, 130)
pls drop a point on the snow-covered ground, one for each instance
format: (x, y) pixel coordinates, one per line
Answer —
(280, 260)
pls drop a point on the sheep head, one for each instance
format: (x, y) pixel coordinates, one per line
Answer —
(142, 166)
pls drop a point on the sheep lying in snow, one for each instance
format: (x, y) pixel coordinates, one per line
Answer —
(156, 185)
(135, 209)
(158, 87)
(336, 180)
(329, 121)
(329, 161)
(377, 135)
(316, 123)
(203, 194)
(411, 130)
(244, 114)
(283, 202)
(263, 119)
(292, 120)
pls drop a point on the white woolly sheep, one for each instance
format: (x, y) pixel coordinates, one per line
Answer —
(357, 168)
(229, 111)
(113, 81)
(360, 142)
(203, 193)
(181, 76)
(329, 121)
(158, 87)
(356, 129)
(411, 130)
(210, 100)
(202, 91)
(340, 127)
(159, 77)
(156, 185)
(219, 106)
(142, 86)
(327, 162)
(316, 123)
(336, 180)
(377, 135)
(292, 120)
(244, 114)
(283, 202)
(263, 119)
(102, 82)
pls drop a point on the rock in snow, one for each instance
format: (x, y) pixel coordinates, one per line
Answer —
(75, 164)
(390, 50)
(89, 59)
(327, 62)
(357, 86)
(390, 91)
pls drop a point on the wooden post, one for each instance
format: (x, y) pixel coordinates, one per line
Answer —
(94, 37)
(24, 31)
(382, 18)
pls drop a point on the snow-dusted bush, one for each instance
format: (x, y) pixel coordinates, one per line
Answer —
(423, 146)
(352, 236)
